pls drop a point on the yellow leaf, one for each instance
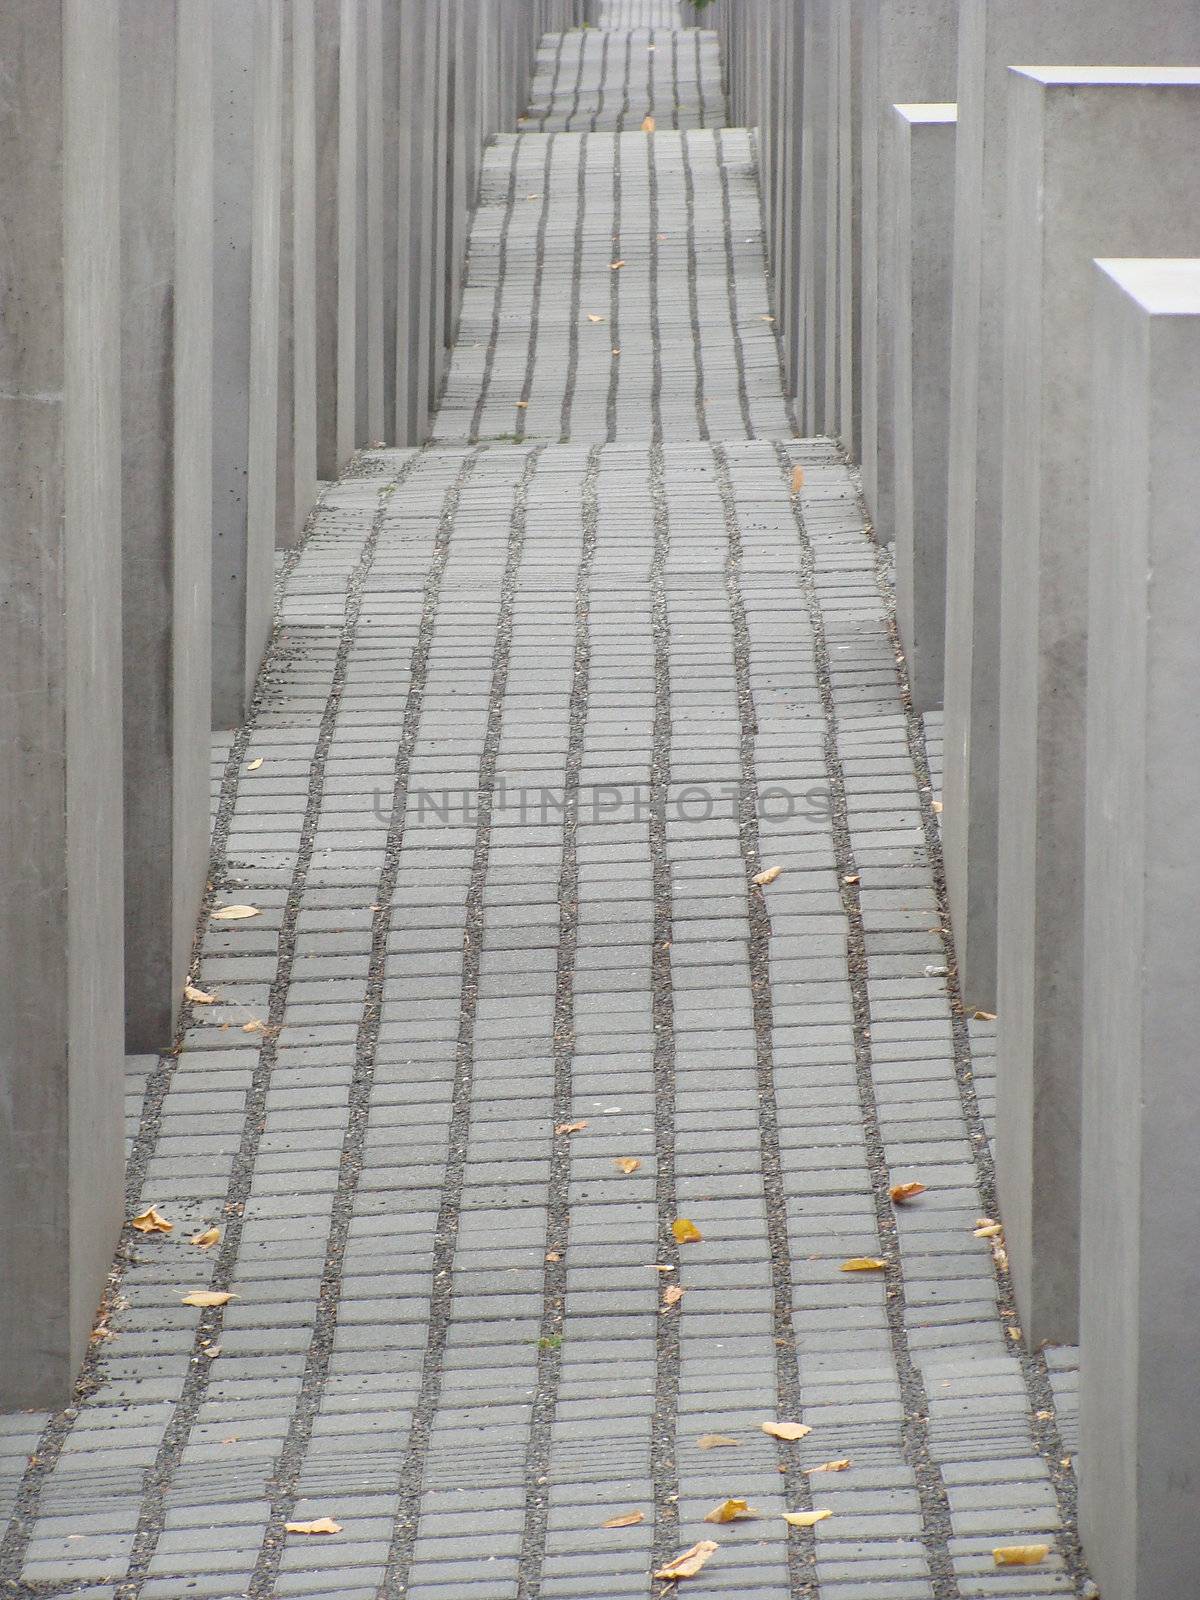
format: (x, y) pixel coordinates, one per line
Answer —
(785, 1430)
(686, 1232)
(900, 1192)
(647, 124)
(763, 317)
(715, 1441)
(672, 1294)
(769, 876)
(198, 997)
(208, 1297)
(831, 1466)
(256, 1026)
(616, 350)
(983, 1016)
(570, 1127)
(592, 316)
(937, 808)
(797, 479)
(627, 1164)
(522, 405)
(629, 1520)
(207, 1239)
(852, 878)
(989, 1230)
(805, 1519)
(1020, 1555)
(731, 1511)
(253, 766)
(321, 1525)
(235, 913)
(615, 266)
(553, 1255)
(864, 1264)
(689, 1563)
(151, 1221)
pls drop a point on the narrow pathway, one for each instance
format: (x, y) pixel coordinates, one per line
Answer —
(546, 697)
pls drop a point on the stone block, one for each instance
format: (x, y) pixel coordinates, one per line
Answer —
(61, 1046)
(908, 56)
(1140, 1280)
(415, 202)
(166, 498)
(919, 176)
(1086, 178)
(304, 263)
(847, 295)
(247, 86)
(993, 34)
(817, 244)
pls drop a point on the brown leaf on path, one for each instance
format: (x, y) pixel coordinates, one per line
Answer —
(686, 1232)
(689, 1563)
(208, 1297)
(627, 1164)
(199, 997)
(715, 1441)
(629, 1520)
(672, 1294)
(900, 1192)
(522, 405)
(207, 1239)
(831, 1466)
(253, 766)
(647, 124)
(570, 1127)
(256, 1025)
(553, 1255)
(988, 1230)
(936, 807)
(1020, 1555)
(983, 1016)
(731, 1511)
(593, 316)
(805, 1519)
(852, 878)
(615, 266)
(768, 876)
(864, 1264)
(151, 1221)
(235, 913)
(785, 1430)
(320, 1525)
(797, 479)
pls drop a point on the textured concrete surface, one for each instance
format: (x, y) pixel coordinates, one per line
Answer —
(993, 34)
(536, 715)
(1075, 132)
(1139, 1284)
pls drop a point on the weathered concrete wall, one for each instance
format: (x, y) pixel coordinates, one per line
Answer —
(919, 177)
(1139, 1401)
(1086, 178)
(848, 22)
(992, 36)
(303, 277)
(166, 474)
(61, 977)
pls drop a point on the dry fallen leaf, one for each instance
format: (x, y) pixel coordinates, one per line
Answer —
(614, 266)
(983, 1016)
(989, 1230)
(199, 997)
(785, 1430)
(235, 913)
(805, 1519)
(689, 1563)
(797, 479)
(629, 1520)
(151, 1221)
(553, 1255)
(686, 1232)
(627, 1164)
(900, 1192)
(852, 878)
(256, 1025)
(937, 808)
(592, 316)
(321, 1525)
(864, 1264)
(831, 1466)
(672, 1294)
(253, 766)
(769, 876)
(647, 124)
(1020, 1555)
(714, 1441)
(208, 1297)
(207, 1239)
(731, 1511)
(570, 1127)
(522, 405)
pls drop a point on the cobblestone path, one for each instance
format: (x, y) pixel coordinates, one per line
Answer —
(536, 716)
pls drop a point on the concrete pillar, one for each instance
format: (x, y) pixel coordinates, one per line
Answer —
(456, 120)
(286, 509)
(61, 1047)
(1087, 177)
(908, 55)
(789, 308)
(919, 177)
(327, 232)
(818, 151)
(993, 34)
(438, 47)
(304, 261)
(848, 22)
(415, 205)
(247, 59)
(1139, 1401)
(166, 497)
(387, 179)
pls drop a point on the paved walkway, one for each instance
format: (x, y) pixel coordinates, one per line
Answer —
(511, 1005)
